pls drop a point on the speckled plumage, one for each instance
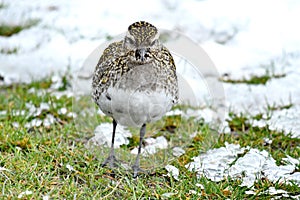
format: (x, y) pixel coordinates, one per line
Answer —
(135, 81)
(116, 61)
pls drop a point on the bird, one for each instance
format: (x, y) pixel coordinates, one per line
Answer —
(135, 83)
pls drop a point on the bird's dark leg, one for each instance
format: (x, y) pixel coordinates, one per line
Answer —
(136, 167)
(111, 159)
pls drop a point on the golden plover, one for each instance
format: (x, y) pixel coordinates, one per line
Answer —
(135, 82)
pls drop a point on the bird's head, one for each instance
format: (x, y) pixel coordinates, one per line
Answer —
(142, 41)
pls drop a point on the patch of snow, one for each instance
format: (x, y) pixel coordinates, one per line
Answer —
(69, 167)
(35, 112)
(56, 82)
(290, 160)
(267, 141)
(34, 123)
(193, 192)
(255, 99)
(103, 135)
(50, 119)
(72, 114)
(178, 151)
(287, 120)
(18, 148)
(214, 163)
(62, 111)
(249, 167)
(16, 124)
(4, 169)
(168, 194)
(206, 113)
(277, 193)
(274, 191)
(200, 186)
(59, 94)
(172, 171)
(22, 194)
(3, 112)
(174, 112)
(250, 192)
(152, 145)
(44, 106)
(18, 112)
(217, 164)
(46, 197)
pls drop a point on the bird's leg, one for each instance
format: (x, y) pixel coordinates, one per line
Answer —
(111, 159)
(136, 167)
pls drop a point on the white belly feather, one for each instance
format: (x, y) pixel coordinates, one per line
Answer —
(134, 108)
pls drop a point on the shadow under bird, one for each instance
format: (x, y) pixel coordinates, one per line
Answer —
(135, 83)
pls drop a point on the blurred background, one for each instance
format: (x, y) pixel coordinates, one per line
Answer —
(41, 37)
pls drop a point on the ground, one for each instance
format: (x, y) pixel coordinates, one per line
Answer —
(48, 148)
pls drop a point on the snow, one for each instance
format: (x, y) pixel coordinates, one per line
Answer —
(69, 167)
(220, 163)
(172, 171)
(178, 151)
(234, 38)
(46, 197)
(277, 193)
(103, 134)
(241, 38)
(152, 146)
(215, 161)
(62, 111)
(22, 194)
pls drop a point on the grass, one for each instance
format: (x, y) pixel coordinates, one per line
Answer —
(9, 30)
(38, 159)
(2, 5)
(255, 79)
(247, 135)
(9, 51)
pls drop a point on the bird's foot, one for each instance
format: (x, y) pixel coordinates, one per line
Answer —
(111, 160)
(136, 170)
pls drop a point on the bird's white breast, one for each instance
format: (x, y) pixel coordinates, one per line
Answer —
(134, 108)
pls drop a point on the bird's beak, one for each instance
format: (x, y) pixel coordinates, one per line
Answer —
(140, 54)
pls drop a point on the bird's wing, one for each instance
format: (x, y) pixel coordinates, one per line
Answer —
(107, 67)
